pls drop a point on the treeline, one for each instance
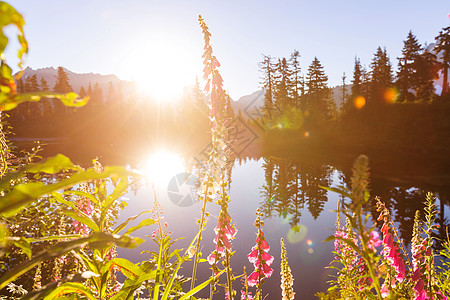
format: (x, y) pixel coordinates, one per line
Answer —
(112, 119)
(379, 107)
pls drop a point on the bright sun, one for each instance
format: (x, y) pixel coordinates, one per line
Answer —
(161, 67)
(161, 166)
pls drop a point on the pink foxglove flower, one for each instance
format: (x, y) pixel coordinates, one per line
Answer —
(391, 253)
(259, 257)
(225, 232)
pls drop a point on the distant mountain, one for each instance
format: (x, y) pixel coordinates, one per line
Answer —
(77, 80)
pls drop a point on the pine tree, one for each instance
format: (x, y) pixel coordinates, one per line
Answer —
(32, 84)
(82, 93)
(381, 76)
(62, 84)
(357, 79)
(426, 70)
(316, 80)
(283, 86)
(318, 95)
(344, 90)
(20, 86)
(296, 79)
(406, 76)
(443, 45)
(89, 90)
(268, 69)
(44, 85)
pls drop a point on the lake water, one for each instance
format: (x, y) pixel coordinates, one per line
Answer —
(295, 209)
(287, 190)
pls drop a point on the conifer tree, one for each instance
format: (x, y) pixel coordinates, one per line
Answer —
(89, 90)
(32, 84)
(407, 71)
(296, 79)
(357, 79)
(316, 80)
(44, 85)
(268, 83)
(20, 86)
(283, 101)
(318, 94)
(62, 84)
(46, 108)
(443, 45)
(82, 92)
(344, 90)
(381, 76)
(426, 71)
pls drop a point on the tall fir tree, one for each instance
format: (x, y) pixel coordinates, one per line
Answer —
(296, 79)
(283, 83)
(89, 91)
(316, 80)
(443, 46)
(62, 84)
(407, 71)
(381, 76)
(426, 68)
(82, 93)
(318, 97)
(32, 84)
(44, 85)
(268, 83)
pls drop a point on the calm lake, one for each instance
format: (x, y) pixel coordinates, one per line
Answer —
(287, 191)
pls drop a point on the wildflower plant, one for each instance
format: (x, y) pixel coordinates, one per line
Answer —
(367, 273)
(260, 258)
(287, 280)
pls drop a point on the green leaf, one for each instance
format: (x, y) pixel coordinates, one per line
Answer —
(82, 194)
(82, 218)
(95, 240)
(24, 193)
(23, 244)
(53, 165)
(340, 190)
(69, 288)
(119, 190)
(125, 266)
(69, 99)
(124, 224)
(201, 286)
(143, 223)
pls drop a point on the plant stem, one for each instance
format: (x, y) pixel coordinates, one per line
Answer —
(194, 268)
(230, 289)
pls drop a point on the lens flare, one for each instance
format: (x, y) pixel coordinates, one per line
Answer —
(391, 95)
(306, 134)
(297, 234)
(360, 102)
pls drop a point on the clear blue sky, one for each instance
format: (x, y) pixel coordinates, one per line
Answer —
(107, 36)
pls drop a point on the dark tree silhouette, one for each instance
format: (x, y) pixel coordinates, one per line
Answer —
(443, 48)
(407, 68)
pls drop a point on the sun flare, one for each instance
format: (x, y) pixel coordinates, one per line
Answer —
(161, 68)
(161, 166)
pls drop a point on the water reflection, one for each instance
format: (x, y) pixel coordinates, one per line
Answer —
(291, 185)
(288, 192)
